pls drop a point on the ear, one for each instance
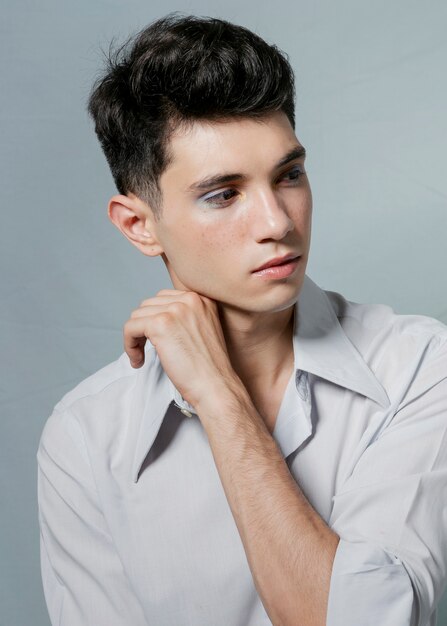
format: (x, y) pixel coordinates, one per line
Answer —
(134, 218)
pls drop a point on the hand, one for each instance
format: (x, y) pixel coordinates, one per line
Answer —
(185, 329)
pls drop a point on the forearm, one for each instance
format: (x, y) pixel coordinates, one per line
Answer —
(289, 548)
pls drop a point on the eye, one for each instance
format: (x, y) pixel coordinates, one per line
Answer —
(295, 174)
(221, 198)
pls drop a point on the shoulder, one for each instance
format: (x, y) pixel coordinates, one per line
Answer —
(407, 353)
(377, 321)
(106, 381)
(98, 408)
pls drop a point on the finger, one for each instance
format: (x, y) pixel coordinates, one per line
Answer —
(134, 342)
(158, 300)
(136, 333)
(164, 295)
(162, 303)
(169, 291)
(136, 354)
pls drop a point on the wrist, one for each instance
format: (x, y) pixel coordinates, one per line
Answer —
(223, 392)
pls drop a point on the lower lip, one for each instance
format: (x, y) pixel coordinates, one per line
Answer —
(279, 271)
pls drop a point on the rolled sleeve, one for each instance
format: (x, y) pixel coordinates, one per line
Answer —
(82, 574)
(369, 587)
(390, 567)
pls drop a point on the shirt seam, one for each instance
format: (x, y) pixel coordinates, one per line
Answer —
(70, 406)
(135, 374)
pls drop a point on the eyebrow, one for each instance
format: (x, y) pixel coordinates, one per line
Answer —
(221, 179)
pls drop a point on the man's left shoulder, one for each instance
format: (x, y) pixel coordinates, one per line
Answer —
(390, 341)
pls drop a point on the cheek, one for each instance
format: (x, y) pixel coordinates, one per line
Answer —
(302, 214)
(218, 243)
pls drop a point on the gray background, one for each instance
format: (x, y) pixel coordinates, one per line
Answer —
(371, 110)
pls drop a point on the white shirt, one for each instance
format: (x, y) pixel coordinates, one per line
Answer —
(135, 526)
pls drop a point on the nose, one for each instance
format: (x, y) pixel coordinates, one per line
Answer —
(270, 217)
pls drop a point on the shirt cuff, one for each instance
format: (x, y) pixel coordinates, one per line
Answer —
(369, 586)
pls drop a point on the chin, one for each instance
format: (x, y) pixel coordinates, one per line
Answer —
(266, 303)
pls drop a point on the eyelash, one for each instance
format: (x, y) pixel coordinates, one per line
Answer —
(211, 200)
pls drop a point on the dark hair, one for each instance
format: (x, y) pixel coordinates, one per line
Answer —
(177, 70)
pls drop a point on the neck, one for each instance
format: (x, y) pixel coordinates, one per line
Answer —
(260, 345)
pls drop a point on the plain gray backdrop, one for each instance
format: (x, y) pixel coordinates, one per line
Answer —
(371, 111)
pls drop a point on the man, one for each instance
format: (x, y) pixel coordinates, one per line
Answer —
(274, 453)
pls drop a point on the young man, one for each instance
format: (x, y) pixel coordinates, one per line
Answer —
(274, 453)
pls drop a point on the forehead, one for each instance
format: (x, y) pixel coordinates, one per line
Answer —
(204, 147)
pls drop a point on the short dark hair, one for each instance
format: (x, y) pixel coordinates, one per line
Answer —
(177, 70)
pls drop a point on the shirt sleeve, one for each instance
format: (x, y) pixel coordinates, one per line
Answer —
(82, 575)
(390, 567)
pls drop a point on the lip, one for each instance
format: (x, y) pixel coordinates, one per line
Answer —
(277, 261)
(277, 272)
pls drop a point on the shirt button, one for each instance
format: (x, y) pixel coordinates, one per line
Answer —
(186, 412)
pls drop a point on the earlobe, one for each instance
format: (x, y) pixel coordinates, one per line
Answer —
(131, 216)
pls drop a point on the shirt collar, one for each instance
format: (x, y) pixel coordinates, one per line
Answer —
(320, 347)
